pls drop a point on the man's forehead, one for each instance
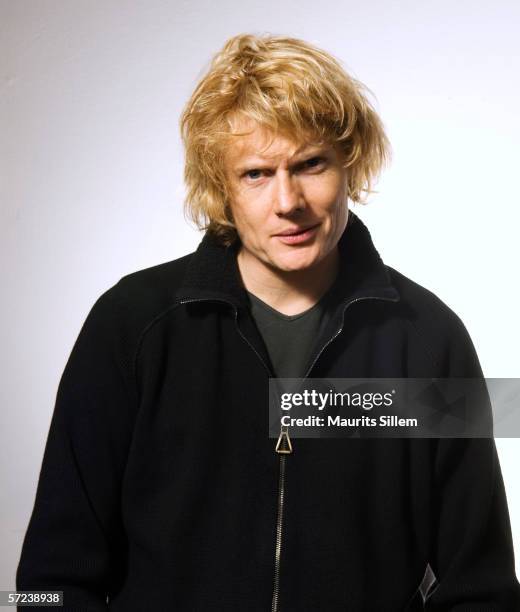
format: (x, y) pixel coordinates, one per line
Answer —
(262, 143)
(266, 149)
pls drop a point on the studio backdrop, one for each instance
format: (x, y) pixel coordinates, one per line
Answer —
(91, 164)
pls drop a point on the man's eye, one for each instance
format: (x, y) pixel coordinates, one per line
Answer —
(313, 162)
(253, 174)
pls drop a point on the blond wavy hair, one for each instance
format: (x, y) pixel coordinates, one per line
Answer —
(291, 88)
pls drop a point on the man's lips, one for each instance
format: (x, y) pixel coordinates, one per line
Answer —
(299, 235)
(296, 230)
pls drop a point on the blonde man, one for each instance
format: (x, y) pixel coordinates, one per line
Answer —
(160, 487)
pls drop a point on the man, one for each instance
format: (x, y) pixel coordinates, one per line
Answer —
(160, 488)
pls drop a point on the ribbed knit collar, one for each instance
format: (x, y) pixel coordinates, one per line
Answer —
(213, 272)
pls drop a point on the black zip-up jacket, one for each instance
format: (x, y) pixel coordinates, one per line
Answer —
(160, 488)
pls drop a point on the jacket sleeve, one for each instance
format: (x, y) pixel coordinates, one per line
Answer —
(472, 555)
(75, 540)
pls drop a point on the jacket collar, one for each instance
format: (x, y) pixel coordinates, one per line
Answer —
(213, 273)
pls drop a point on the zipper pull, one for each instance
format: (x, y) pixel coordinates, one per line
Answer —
(284, 446)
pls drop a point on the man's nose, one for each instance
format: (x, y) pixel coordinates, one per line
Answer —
(288, 196)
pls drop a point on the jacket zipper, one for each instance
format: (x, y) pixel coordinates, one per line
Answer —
(284, 435)
(284, 445)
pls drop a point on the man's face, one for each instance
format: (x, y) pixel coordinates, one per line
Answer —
(281, 188)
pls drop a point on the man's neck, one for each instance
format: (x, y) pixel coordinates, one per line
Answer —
(288, 292)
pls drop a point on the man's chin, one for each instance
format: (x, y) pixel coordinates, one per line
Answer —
(293, 263)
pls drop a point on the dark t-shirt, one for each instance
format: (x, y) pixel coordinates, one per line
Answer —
(290, 339)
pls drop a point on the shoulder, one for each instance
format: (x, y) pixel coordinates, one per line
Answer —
(436, 325)
(127, 308)
(154, 287)
(421, 302)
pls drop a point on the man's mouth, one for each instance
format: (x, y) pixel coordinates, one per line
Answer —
(294, 231)
(298, 235)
